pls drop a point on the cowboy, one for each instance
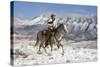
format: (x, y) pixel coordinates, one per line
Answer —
(51, 28)
(52, 23)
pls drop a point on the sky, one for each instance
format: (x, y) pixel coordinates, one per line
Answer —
(28, 10)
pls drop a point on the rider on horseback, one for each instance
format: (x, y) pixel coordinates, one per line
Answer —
(52, 24)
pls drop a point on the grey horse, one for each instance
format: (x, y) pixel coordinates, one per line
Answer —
(44, 40)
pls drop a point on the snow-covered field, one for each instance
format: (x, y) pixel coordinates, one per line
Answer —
(81, 28)
(26, 54)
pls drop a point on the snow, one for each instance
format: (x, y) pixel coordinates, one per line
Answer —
(80, 30)
(26, 54)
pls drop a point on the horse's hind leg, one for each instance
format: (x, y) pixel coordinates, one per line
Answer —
(46, 44)
(36, 43)
(40, 47)
(39, 52)
(51, 46)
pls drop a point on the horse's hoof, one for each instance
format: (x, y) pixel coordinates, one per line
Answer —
(62, 54)
(51, 58)
(34, 45)
(39, 52)
(49, 54)
(68, 61)
(55, 49)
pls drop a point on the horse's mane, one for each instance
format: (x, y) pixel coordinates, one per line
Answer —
(59, 26)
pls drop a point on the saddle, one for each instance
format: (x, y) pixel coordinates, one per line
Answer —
(48, 32)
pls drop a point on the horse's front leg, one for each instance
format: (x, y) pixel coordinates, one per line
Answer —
(56, 41)
(61, 44)
(62, 50)
(51, 47)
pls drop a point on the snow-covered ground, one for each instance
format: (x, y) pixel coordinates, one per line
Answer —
(26, 54)
(82, 28)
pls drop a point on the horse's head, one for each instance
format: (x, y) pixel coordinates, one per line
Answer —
(65, 29)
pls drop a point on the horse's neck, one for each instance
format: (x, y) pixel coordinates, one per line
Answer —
(60, 29)
(59, 34)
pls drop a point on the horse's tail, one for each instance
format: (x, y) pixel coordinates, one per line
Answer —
(37, 40)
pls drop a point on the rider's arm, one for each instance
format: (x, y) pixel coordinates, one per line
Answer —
(50, 21)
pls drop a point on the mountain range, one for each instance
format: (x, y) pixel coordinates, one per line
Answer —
(81, 27)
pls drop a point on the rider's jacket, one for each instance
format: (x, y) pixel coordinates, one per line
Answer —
(52, 24)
